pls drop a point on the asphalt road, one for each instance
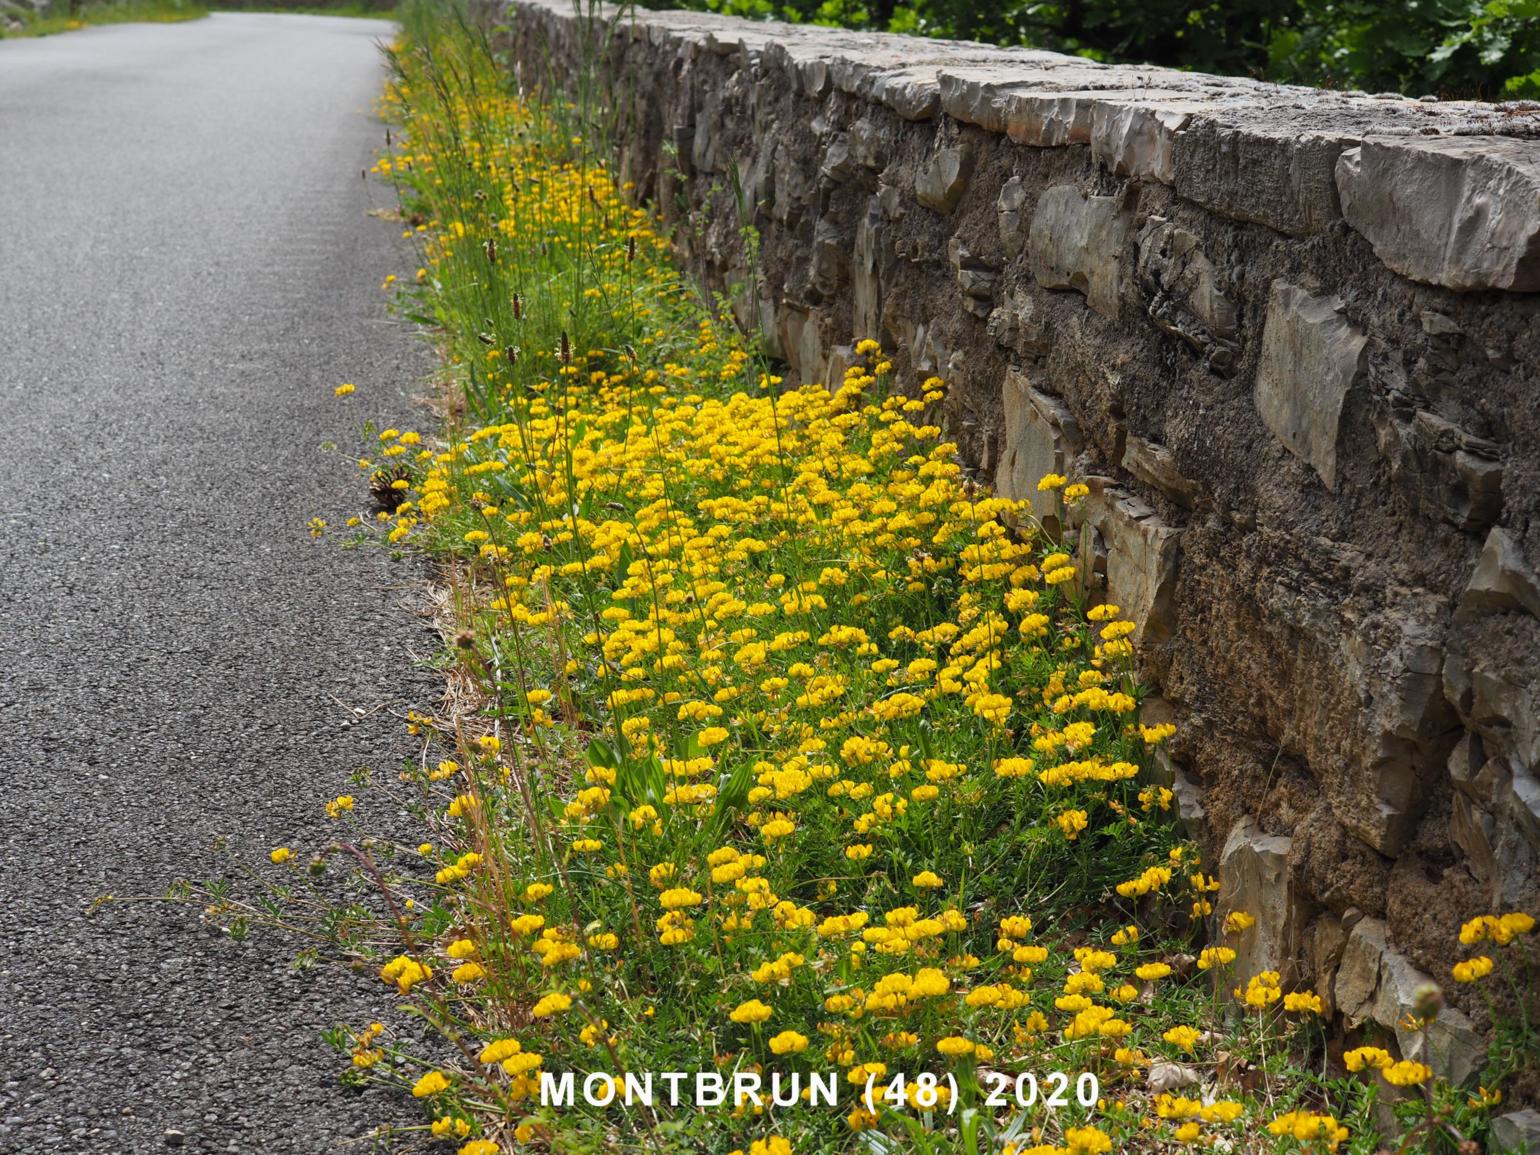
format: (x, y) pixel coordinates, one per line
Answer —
(188, 266)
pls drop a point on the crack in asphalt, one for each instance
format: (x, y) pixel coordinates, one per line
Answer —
(188, 267)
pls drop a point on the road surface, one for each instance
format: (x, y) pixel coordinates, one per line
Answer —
(188, 266)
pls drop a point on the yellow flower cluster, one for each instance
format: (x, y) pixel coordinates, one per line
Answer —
(795, 721)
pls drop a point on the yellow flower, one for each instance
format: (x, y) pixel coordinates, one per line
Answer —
(479, 1147)
(1406, 1074)
(552, 1004)
(1300, 1002)
(752, 1011)
(1150, 972)
(1182, 1036)
(344, 389)
(1071, 822)
(281, 855)
(926, 880)
(469, 972)
(1086, 1141)
(788, 1043)
(1471, 969)
(1373, 1057)
(1051, 481)
(954, 1046)
(433, 1083)
(1238, 921)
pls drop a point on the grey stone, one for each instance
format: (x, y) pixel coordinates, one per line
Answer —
(1015, 324)
(1156, 466)
(803, 343)
(1013, 232)
(1460, 211)
(1183, 289)
(1254, 879)
(829, 259)
(1502, 580)
(1041, 437)
(866, 271)
(1310, 358)
(838, 164)
(1377, 983)
(1263, 171)
(1392, 667)
(1142, 554)
(1516, 1133)
(940, 184)
(868, 147)
(1077, 242)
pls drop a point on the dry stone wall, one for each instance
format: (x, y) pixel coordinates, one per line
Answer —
(1291, 338)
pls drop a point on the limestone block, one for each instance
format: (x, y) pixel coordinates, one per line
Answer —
(1184, 298)
(1516, 1133)
(1135, 135)
(1015, 324)
(1077, 242)
(1310, 358)
(1503, 580)
(1263, 170)
(1390, 669)
(940, 184)
(1041, 437)
(1155, 465)
(1254, 878)
(866, 270)
(1142, 554)
(868, 146)
(829, 258)
(1377, 983)
(803, 343)
(838, 165)
(1457, 211)
(911, 92)
(1008, 208)
(793, 185)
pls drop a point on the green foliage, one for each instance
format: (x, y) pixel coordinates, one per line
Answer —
(1453, 48)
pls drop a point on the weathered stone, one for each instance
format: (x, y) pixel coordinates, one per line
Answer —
(1516, 1133)
(1457, 211)
(1142, 554)
(1358, 975)
(912, 93)
(866, 271)
(1376, 982)
(944, 179)
(1041, 437)
(1134, 135)
(1013, 231)
(976, 275)
(1325, 941)
(868, 146)
(1077, 242)
(838, 165)
(1392, 667)
(1264, 172)
(793, 185)
(1016, 325)
(829, 260)
(1183, 288)
(803, 343)
(1503, 580)
(1310, 358)
(1156, 466)
(1254, 879)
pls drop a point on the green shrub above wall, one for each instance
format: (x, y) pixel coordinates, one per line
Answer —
(1455, 48)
